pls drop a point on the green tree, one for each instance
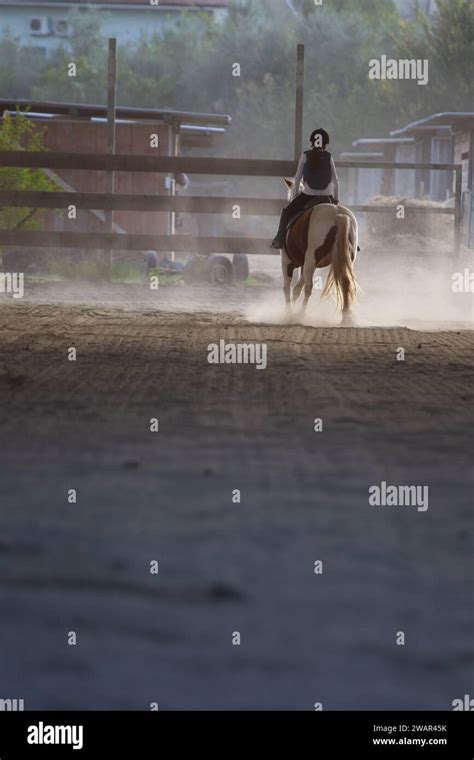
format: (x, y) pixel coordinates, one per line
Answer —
(375, 12)
(19, 133)
(88, 50)
(21, 68)
(446, 42)
(188, 66)
(165, 69)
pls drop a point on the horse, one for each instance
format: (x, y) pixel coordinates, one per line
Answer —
(324, 235)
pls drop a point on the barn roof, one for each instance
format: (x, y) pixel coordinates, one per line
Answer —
(196, 129)
(382, 141)
(359, 155)
(453, 119)
(86, 110)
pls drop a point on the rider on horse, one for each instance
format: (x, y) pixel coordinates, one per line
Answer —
(320, 183)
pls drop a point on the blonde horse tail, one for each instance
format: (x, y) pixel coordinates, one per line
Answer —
(341, 276)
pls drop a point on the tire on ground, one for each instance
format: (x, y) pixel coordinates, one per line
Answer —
(219, 270)
(241, 266)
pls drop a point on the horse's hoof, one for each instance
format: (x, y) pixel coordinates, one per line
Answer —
(347, 320)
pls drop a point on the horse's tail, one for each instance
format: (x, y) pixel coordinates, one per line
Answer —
(341, 276)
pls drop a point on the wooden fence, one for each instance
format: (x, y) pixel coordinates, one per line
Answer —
(196, 205)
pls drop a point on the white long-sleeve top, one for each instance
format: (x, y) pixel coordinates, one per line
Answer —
(331, 189)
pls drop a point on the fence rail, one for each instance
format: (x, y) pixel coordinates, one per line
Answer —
(246, 167)
(204, 205)
(196, 204)
(131, 242)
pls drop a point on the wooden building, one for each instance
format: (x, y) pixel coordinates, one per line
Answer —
(439, 138)
(446, 137)
(384, 181)
(81, 128)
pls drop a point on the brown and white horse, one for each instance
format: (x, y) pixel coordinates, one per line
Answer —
(325, 235)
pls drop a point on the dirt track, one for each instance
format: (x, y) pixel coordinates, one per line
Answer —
(228, 567)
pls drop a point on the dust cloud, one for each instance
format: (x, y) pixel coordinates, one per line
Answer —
(404, 281)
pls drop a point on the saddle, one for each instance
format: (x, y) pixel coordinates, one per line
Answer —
(315, 201)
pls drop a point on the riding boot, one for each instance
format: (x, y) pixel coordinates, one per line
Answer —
(279, 239)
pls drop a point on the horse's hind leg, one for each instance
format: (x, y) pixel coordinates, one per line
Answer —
(308, 275)
(288, 268)
(348, 319)
(298, 287)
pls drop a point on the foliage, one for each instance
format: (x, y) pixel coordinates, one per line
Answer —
(19, 133)
(446, 43)
(88, 50)
(92, 266)
(375, 12)
(21, 67)
(188, 66)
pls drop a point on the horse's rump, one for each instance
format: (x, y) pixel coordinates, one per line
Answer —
(297, 240)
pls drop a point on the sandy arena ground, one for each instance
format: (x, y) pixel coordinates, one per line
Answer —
(224, 566)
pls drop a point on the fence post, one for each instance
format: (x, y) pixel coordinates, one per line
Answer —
(111, 108)
(173, 150)
(299, 100)
(457, 212)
